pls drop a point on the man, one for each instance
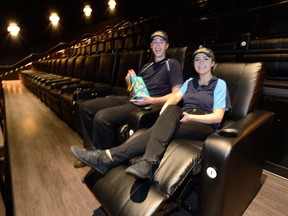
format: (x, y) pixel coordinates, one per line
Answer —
(101, 116)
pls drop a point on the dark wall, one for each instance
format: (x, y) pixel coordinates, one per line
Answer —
(228, 20)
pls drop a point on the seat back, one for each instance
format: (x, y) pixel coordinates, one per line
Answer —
(107, 68)
(79, 67)
(127, 60)
(70, 67)
(244, 82)
(130, 42)
(178, 53)
(91, 67)
(62, 66)
(49, 63)
(52, 66)
(183, 55)
(57, 66)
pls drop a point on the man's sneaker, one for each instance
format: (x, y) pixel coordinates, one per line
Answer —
(97, 159)
(141, 169)
(79, 164)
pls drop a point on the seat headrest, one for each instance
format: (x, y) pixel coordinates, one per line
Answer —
(244, 82)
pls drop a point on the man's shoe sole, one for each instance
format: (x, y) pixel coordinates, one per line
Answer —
(74, 150)
(79, 164)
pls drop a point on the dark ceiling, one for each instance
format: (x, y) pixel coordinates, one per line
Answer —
(33, 16)
(33, 19)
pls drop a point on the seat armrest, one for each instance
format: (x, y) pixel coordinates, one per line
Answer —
(233, 160)
(57, 80)
(58, 85)
(145, 117)
(90, 93)
(78, 86)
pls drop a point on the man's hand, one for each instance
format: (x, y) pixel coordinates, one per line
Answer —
(144, 100)
(127, 78)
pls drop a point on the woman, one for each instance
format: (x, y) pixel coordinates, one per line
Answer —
(205, 100)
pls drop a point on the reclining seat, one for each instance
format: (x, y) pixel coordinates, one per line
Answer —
(57, 89)
(231, 160)
(104, 77)
(28, 75)
(69, 78)
(89, 76)
(58, 73)
(41, 72)
(126, 60)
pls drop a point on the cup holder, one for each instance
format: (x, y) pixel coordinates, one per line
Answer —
(230, 133)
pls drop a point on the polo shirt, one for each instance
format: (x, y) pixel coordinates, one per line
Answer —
(205, 97)
(160, 77)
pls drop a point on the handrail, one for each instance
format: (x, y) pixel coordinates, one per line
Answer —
(62, 45)
(33, 57)
(59, 46)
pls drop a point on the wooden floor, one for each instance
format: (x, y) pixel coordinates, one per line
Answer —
(44, 181)
(272, 199)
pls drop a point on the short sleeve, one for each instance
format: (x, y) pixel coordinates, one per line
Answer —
(220, 94)
(184, 87)
(176, 74)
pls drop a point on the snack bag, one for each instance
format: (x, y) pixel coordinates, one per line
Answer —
(137, 87)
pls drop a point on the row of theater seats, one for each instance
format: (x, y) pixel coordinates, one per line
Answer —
(127, 35)
(273, 52)
(64, 83)
(135, 41)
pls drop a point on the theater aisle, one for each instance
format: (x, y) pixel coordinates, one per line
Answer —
(44, 181)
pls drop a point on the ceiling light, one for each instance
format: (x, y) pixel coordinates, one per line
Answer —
(112, 4)
(13, 29)
(87, 10)
(54, 18)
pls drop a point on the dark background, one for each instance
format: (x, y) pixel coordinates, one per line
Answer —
(33, 18)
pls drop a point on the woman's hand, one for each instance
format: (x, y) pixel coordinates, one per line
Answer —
(185, 117)
(212, 118)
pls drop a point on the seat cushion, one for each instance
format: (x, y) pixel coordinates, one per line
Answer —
(122, 194)
(180, 159)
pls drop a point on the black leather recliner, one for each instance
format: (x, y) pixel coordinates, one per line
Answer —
(230, 161)
(105, 71)
(125, 61)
